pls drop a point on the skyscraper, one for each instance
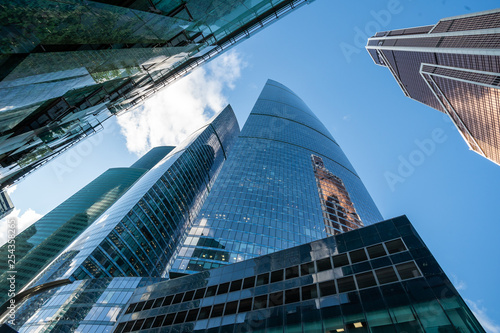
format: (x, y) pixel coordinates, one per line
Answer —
(65, 67)
(40, 243)
(454, 67)
(286, 182)
(249, 241)
(140, 232)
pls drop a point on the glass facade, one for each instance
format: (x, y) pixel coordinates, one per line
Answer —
(82, 306)
(266, 198)
(67, 66)
(41, 242)
(454, 67)
(139, 233)
(380, 278)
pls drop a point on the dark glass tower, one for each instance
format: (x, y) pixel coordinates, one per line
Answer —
(140, 232)
(454, 67)
(380, 278)
(67, 66)
(271, 194)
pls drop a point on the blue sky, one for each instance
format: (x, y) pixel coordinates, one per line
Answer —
(450, 197)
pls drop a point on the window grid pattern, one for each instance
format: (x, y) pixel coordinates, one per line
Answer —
(475, 22)
(376, 278)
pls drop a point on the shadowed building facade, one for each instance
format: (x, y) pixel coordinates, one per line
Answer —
(454, 67)
(65, 67)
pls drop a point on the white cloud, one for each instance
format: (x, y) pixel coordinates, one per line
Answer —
(11, 189)
(459, 284)
(480, 313)
(181, 108)
(23, 221)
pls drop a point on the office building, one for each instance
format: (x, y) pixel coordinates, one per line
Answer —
(286, 182)
(139, 233)
(40, 243)
(454, 67)
(380, 278)
(65, 67)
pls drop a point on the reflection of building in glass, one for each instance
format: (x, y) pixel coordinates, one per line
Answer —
(67, 66)
(454, 67)
(139, 233)
(266, 198)
(41, 242)
(339, 213)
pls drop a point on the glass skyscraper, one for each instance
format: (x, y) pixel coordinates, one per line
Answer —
(65, 67)
(227, 234)
(139, 233)
(41, 242)
(271, 194)
(454, 67)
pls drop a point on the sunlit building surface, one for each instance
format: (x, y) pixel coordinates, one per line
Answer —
(267, 196)
(454, 67)
(67, 66)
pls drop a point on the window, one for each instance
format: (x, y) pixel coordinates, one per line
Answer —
(309, 292)
(217, 310)
(346, 284)
(292, 295)
(277, 276)
(139, 306)
(276, 299)
(231, 308)
(307, 268)
(386, 275)
(262, 279)
(376, 251)
(395, 246)
(327, 288)
(260, 302)
(204, 312)
(192, 314)
(158, 302)
(178, 298)
(366, 280)
(249, 282)
(179, 319)
(158, 321)
(323, 264)
(199, 293)
(245, 305)
(236, 285)
(223, 288)
(149, 304)
(408, 270)
(169, 319)
(340, 260)
(167, 300)
(292, 272)
(211, 291)
(358, 255)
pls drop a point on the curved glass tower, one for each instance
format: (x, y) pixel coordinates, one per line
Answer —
(286, 182)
